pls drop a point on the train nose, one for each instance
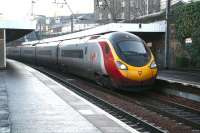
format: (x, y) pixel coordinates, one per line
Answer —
(141, 74)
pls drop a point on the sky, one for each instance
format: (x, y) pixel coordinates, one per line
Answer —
(22, 9)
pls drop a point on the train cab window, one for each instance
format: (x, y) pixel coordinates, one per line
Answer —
(131, 47)
(134, 52)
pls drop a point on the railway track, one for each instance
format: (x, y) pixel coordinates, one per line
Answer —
(175, 111)
(131, 120)
(178, 112)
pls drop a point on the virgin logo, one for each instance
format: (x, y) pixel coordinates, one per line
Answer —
(140, 73)
(93, 57)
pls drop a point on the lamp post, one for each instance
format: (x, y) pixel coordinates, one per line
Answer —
(32, 6)
(147, 7)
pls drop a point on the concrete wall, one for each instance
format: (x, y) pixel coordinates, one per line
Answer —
(158, 46)
(2, 49)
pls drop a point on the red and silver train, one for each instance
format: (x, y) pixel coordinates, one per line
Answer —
(117, 59)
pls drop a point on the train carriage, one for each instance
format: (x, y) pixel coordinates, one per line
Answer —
(46, 54)
(116, 59)
(13, 52)
(28, 53)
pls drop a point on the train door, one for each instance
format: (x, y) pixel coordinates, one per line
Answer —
(90, 58)
(85, 66)
(93, 59)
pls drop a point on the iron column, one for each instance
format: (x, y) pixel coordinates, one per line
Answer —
(2, 48)
(167, 33)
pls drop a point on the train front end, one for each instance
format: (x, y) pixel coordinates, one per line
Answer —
(133, 63)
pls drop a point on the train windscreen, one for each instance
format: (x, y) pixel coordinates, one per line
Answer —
(134, 52)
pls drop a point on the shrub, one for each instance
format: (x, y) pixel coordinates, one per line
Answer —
(187, 24)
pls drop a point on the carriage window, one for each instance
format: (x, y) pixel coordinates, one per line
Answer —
(45, 52)
(15, 52)
(28, 52)
(72, 53)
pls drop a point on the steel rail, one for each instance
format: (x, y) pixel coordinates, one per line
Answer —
(131, 120)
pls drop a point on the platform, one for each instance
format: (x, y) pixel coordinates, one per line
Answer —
(4, 112)
(188, 78)
(38, 104)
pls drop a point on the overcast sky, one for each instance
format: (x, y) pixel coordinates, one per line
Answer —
(14, 9)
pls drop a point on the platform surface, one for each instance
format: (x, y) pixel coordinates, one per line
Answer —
(187, 78)
(38, 104)
(4, 112)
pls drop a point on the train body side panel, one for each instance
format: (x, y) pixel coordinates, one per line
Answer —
(46, 54)
(13, 52)
(95, 61)
(8, 53)
(28, 54)
(66, 59)
(85, 59)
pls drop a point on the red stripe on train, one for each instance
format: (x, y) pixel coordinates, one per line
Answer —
(109, 63)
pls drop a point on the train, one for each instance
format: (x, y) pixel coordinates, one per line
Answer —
(117, 59)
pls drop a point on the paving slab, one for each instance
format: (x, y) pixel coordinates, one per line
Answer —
(183, 77)
(38, 104)
(4, 112)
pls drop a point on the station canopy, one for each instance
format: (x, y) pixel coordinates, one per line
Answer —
(147, 28)
(16, 29)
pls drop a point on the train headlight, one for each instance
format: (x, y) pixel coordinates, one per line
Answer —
(153, 65)
(121, 65)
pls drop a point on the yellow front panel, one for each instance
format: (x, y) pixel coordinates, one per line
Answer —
(139, 73)
(136, 73)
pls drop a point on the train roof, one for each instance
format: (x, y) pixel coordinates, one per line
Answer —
(120, 36)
